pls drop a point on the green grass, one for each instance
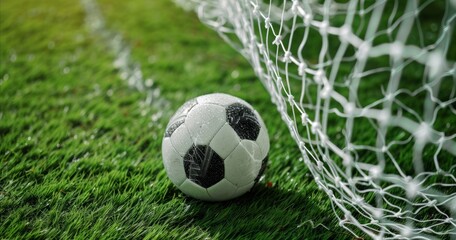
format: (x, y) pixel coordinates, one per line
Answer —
(80, 156)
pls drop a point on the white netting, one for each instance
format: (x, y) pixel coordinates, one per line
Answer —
(368, 90)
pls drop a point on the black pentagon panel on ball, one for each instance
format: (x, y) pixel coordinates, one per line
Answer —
(203, 166)
(169, 131)
(243, 120)
(264, 163)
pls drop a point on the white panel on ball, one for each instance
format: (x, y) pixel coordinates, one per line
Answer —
(255, 154)
(181, 140)
(174, 163)
(225, 141)
(252, 148)
(239, 167)
(194, 190)
(241, 190)
(175, 119)
(218, 98)
(204, 121)
(263, 141)
(221, 191)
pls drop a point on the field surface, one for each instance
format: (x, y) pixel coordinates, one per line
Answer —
(80, 148)
(83, 109)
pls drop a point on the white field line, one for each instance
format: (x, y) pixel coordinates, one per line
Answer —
(129, 70)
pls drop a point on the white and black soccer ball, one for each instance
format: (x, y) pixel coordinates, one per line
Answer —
(215, 147)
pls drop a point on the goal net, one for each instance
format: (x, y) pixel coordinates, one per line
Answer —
(368, 91)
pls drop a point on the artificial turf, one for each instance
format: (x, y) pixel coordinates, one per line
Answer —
(80, 150)
(80, 153)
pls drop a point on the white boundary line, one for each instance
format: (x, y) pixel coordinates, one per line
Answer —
(129, 70)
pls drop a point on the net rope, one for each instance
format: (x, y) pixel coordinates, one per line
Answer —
(368, 91)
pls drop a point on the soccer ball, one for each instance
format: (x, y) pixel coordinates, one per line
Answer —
(215, 147)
